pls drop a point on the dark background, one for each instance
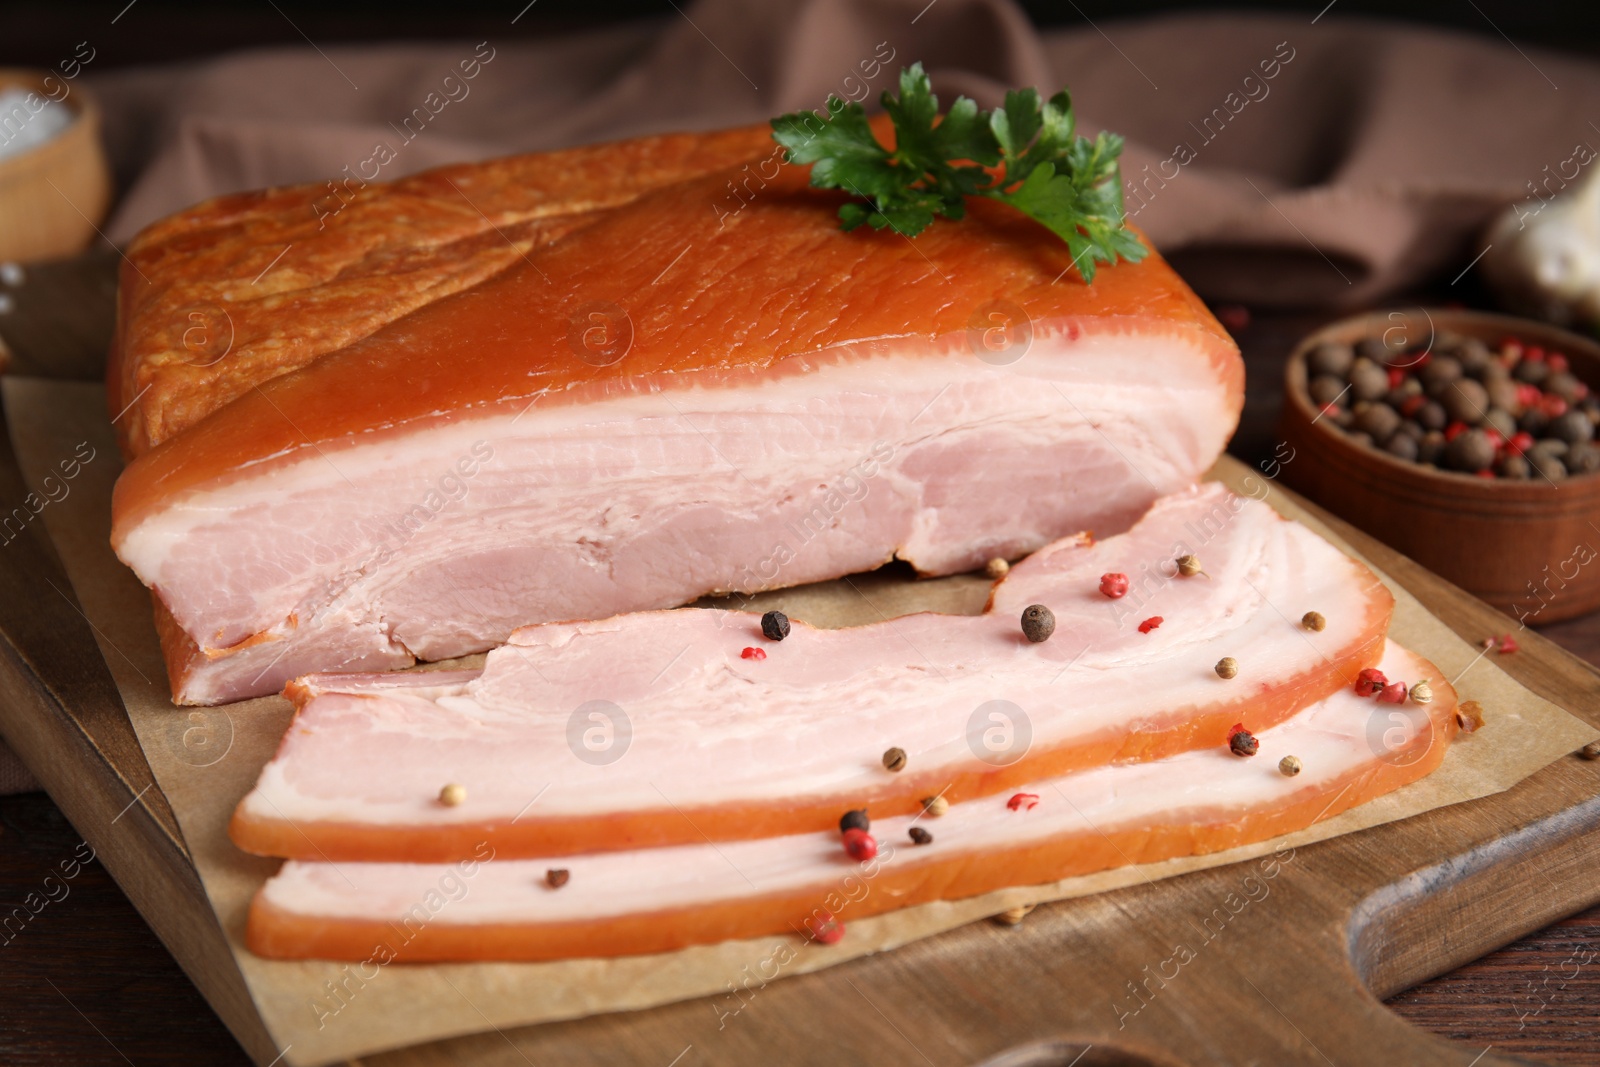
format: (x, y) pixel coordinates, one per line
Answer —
(35, 34)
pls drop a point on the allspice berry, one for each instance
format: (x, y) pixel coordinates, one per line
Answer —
(453, 795)
(1590, 751)
(1289, 766)
(1465, 401)
(1368, 381)
(775, 626)
(996, 568)
(1422, 693)
(1227, 667)
(933, 807)
(895, 759)
(556, 877)
(1330, 357)
(1469, 452)
(1038, 623)
(1313, 621)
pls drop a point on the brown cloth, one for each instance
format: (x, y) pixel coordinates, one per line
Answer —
(1278, 161)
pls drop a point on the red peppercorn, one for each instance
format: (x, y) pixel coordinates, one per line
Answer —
(1485, 473)
(1528, 395)
(1454, 430)
(1234, 317)
(824, 928)
(752, 653)
(860, 845)
(1369, 681)
(1508, 644)
(1421, 361)
(1396, 376)
(1520, 442)
(1413, 404)
(1023, 801)
(1329, 409)
(1496, 438)
(1533, 354)
(1150, 624)
(1393, 693)
(1114, 585)
(1558, 362)
(1552, 405)
(1511, 347)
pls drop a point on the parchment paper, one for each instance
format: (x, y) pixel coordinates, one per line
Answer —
(206, 759)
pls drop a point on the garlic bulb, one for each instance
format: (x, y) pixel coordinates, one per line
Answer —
(1544, 255)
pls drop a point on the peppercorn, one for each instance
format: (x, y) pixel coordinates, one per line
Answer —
(1501, 421)
(1514, 466)
(1474, 357)
(1114, 585)
(1227, 667)
(854, 819)
(1023, 800)
(895, 759)
(1038, 623)
(933, 807)
(1289, 766)
(996, 568)
(859, 845)
(1590, 751)
(1370, 682)
(1441, 372)
(556, 877)
(1189, 566)
(1572, 427)
(824, 928)
(1503, 393)
(1378, 420)
(1431, 449)
(1531, 371)
(1313, 621)
(1582, 458)
(919, 836)
(1013, 916)
(1327, 389)
(1432, 416)
(1150, 624)
(1469, 716)
(1470, 452)
(1533, 421)
(1565, 385)
(1402, 446)
(752, 653)
(1545, 463)
(775, 626)
(453, 795)
(1330, 357)
(1242, 742)
(1393, 693)
(1367, 380)
(1466, 400)
(1422, 693)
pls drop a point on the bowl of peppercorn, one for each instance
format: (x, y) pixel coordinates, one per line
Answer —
(1463, 439)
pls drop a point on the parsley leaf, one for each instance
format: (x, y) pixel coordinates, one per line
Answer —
(1024, 154)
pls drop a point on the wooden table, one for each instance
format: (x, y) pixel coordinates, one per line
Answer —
(85, 981)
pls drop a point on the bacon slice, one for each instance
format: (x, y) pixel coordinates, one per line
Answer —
(652, 408)
(651, 729)
(655, 900)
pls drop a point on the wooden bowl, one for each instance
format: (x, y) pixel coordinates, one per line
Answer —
(1530, 548)
(53, 196)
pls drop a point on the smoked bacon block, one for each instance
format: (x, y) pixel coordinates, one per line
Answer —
(663, 403)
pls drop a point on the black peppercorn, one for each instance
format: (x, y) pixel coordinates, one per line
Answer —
(1038, 622)
(854, 819)
(1243, 743)
(775, 625)
(920, 836)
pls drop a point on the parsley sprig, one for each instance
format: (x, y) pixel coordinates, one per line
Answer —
(1024, 153)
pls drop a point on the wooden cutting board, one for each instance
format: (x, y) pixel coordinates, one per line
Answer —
(1294, 977)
